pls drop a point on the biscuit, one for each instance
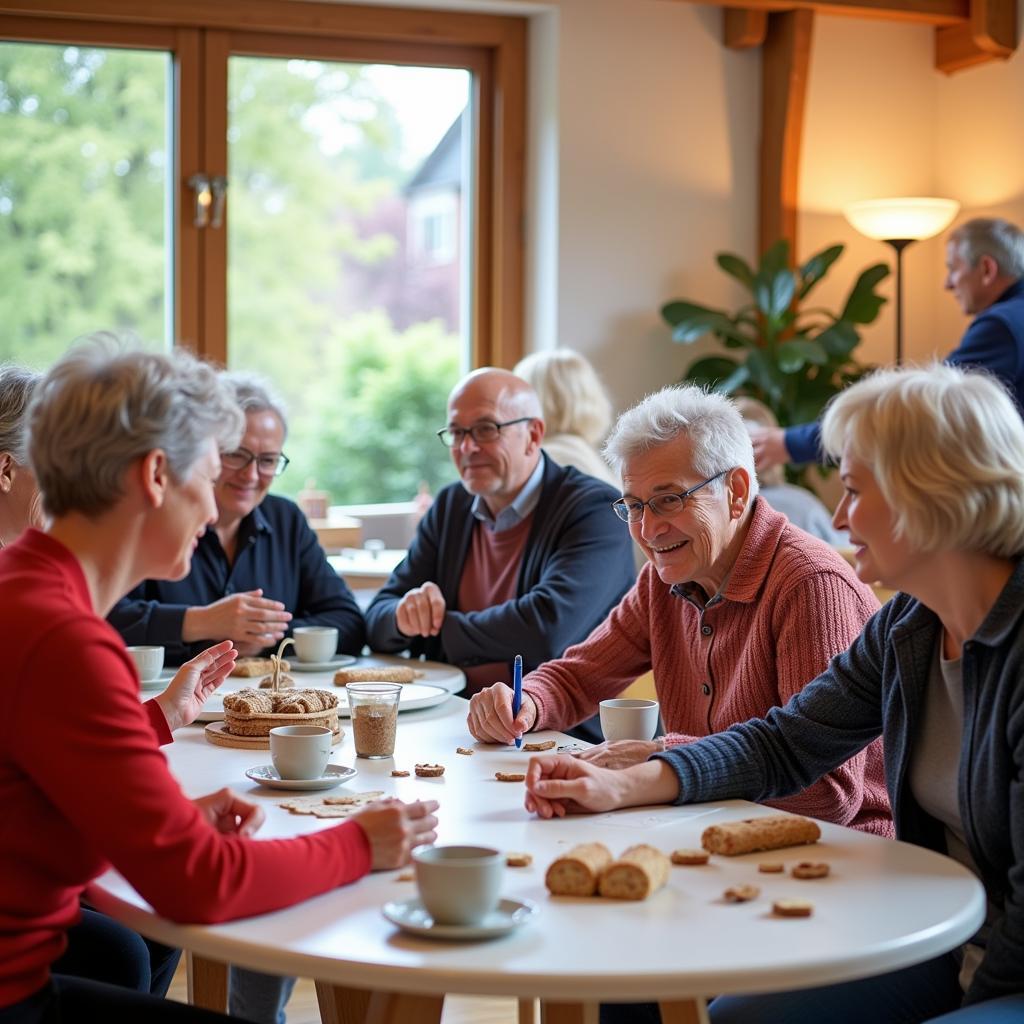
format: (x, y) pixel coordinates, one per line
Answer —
(792, 908)
(397, 674)
(808, 869)
(510, 776)
(640, 871)
(578, 871)
(534, 748)
(688, 857)
(286, 682)
(468, 751)
(518, 860)
(752, 834)
(429, 771)
(256, 667)
(771, 867)
(399, 773)
(741, 893)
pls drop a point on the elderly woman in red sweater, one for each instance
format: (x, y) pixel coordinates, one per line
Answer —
(735, 611)
(125, 450)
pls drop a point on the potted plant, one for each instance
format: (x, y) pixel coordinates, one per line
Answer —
(792, 357)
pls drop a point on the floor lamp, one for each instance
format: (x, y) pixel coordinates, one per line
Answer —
(899, 223)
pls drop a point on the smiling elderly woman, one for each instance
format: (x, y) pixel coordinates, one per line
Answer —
(933, 467)
(125, 452)
(736, 610)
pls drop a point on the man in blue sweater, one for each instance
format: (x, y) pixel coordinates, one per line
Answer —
(984, 271)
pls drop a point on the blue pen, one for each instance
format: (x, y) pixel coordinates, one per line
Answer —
(517, 692)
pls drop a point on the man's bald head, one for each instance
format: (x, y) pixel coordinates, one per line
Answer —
(508, 395)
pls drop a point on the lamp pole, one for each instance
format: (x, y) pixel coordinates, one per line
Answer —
(899, 244)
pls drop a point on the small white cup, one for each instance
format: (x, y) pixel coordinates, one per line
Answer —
(300, 751)
(459, 884)
(315, 643)
(629, 719)
(149, 661)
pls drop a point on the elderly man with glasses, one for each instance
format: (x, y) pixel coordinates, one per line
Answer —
(521, 557)
(258, 571)
(735, 611)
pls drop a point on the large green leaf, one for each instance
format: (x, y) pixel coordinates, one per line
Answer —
(795, 354)
(817, 267)
(766, 375)
(690, 322)
(736, 267)
(864, 304)
(714, 371)
(776, 258)
(839, 340)
(774, 292)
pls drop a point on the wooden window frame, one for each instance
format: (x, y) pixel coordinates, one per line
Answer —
(201, 36)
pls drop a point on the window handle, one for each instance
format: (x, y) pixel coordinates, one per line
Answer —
(219, 187)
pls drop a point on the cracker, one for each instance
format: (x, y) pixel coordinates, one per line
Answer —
(429, 771)
(335, 810)
(771, 867)
(792, 908)
(690, 857)
(534, 748)
(468, 751)
(808, 869)
(357, 799)
(741, 893)
(394, 674)
(399, 773)
(510, 776)
(518, 860)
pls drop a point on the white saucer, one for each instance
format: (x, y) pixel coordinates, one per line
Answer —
(160, 683)
(334, 775)
(338, 661)
(411, 916)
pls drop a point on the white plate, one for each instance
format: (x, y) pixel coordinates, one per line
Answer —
(414, 696)
(411, 916)
(338, 661)
(334, 775)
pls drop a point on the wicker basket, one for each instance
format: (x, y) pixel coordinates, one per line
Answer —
(255, 724)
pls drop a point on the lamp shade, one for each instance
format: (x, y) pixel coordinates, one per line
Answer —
(912, 218)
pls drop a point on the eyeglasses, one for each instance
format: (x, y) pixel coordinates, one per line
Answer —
(483, 432)
(631, 510)
(267, 464)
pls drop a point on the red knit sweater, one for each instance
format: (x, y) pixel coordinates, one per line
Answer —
(789, 604)
(83, 785)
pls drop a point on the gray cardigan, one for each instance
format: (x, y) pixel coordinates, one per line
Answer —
(878, 687)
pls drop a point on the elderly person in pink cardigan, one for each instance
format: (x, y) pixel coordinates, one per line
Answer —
(735, 611)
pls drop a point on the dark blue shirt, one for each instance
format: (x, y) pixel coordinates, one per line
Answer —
(994, 342)
(277, 552)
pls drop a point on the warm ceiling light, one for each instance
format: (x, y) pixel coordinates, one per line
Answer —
(912, 218)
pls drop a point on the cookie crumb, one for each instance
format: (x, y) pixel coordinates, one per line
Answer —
(468, 751)
(429, 771)
(690, 857)
(399, 773)
(510, 776)
(792, 908)
(534, 748)
(809, 869)
(406, 876)
(518, 860)
(741, 893)
(771, 867)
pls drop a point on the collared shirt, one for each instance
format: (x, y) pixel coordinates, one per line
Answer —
(525, 502)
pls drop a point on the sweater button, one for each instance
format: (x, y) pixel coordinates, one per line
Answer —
(706, 630)
(706, 690)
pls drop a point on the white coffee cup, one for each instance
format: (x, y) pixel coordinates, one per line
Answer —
(300, 751)
(315, 643)
(629, 719)
(459, 884)
(149, 661)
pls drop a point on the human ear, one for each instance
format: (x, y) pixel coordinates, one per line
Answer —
(7, 470)
(155, 477)
(738, 488)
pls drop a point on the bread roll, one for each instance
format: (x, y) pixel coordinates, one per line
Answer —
(398, 674)
(577, 873)
(736, 837)
(640, 871)
(256, 667)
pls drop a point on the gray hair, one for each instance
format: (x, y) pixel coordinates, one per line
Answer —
(571, 393)
(994, 237)
(254, 393)
(16, 387)
(946, 447)
(101, 407)
(709, 420)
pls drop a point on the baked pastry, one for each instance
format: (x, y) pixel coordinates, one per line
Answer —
(639, 872)
(397, 674)
(256, 667)
(578, 872)
(752, 834)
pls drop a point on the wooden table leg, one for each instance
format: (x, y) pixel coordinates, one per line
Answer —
(529, 1011)
(207, 982)
(569, 1013)
(400, 1008)
(685, 1011)
(341, 1005)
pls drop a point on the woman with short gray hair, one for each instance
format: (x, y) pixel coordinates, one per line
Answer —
(19, 496)
(125, 449)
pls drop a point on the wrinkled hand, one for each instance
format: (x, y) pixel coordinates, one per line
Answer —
(490, 715)
(557, 786)
(230, 814)
(394, 828)
(769, 447)
(421, 611)
(194, 682)
(252, 621)
(620, 754)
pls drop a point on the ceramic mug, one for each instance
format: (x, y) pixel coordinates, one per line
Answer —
(629, 719)
(459, 884)
(315, 643)
(149, 661)
(300, 751)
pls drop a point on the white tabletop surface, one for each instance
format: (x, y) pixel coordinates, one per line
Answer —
(884, 906)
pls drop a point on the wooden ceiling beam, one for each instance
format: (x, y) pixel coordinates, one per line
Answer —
(923, 12)
(990, 34)
(742, 28)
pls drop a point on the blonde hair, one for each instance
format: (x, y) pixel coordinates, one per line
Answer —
(946, 447)
(571, 393)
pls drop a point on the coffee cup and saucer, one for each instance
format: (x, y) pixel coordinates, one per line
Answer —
(460, 896)
(315, 650)
(300, 754)
(149, 660)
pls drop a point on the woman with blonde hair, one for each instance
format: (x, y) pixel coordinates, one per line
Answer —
(932, 463)
(577, 409)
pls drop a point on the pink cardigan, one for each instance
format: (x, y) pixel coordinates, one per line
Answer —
(789, 604)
